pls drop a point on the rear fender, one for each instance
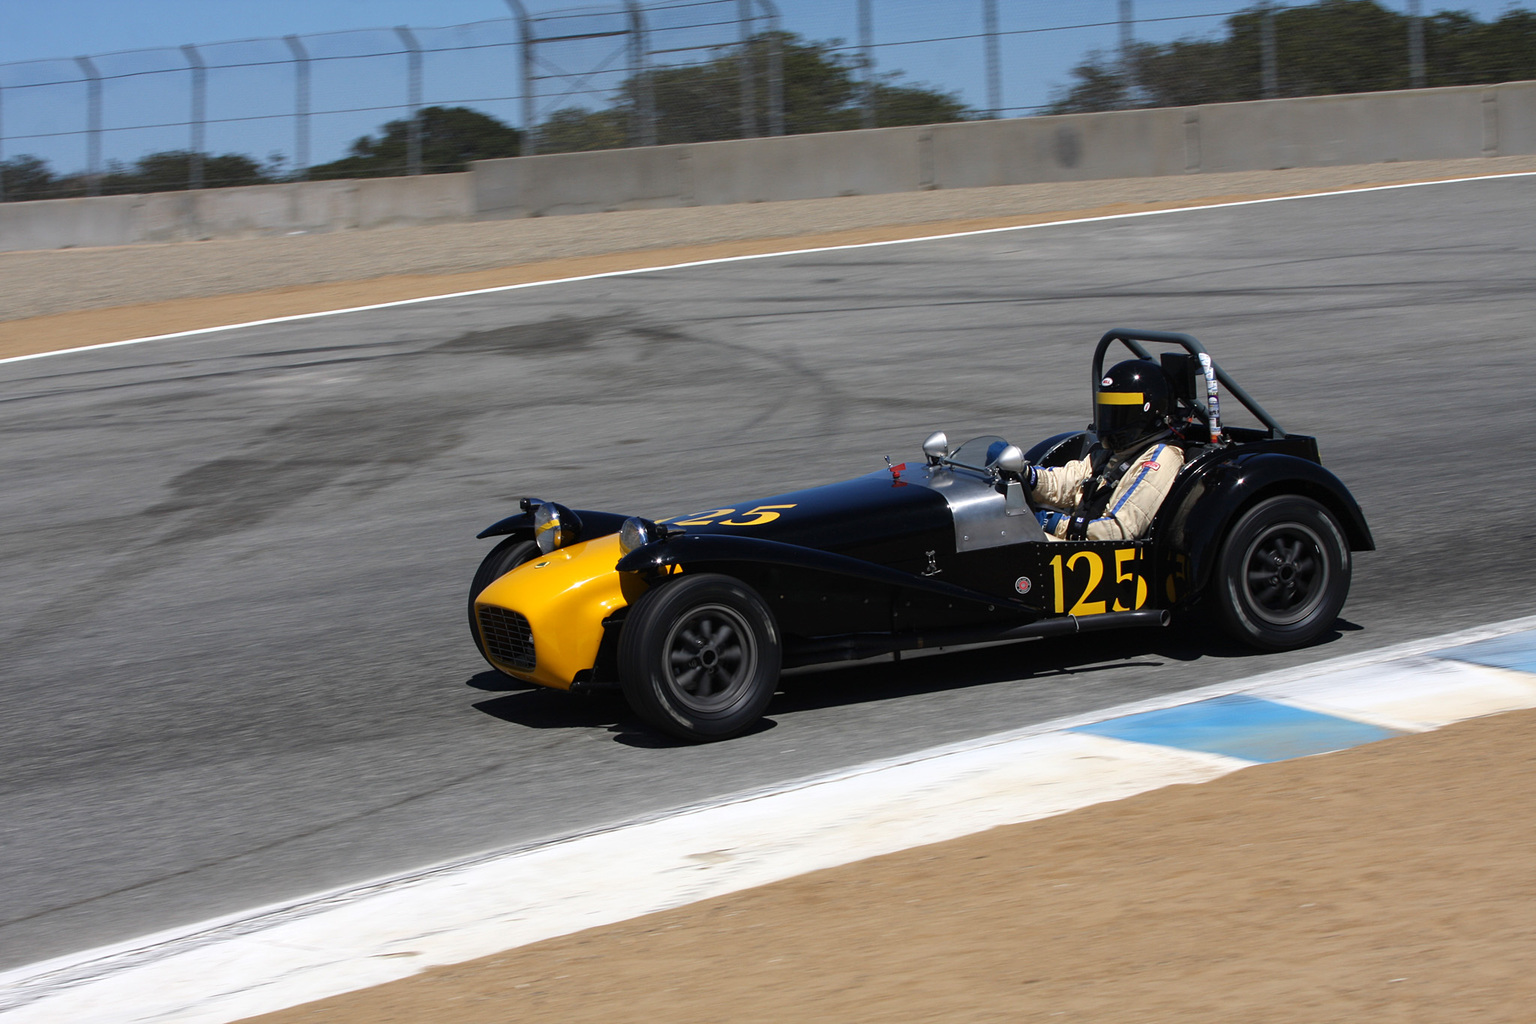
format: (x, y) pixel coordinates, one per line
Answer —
(1206, 507)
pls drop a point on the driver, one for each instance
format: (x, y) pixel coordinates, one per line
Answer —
(1113, 492)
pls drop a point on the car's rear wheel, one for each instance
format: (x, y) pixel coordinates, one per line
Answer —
(699, 657)
(1283, 574)
(501, 559)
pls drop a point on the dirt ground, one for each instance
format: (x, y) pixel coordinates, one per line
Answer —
(1394, 882)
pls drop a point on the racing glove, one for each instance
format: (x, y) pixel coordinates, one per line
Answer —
(1049, 520)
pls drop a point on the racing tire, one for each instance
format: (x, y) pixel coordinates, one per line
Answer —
(1283, 574)
(699, 657)
(501, 559)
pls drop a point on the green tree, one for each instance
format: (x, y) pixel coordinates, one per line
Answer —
(1460, 50)
(821, 93)
(27, 177)
(1327, 47)
(450, 138)
(1099, 85)
(914, 104)
(171, 170)
(574, 129)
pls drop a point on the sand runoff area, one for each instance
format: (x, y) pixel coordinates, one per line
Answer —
(1390, 882)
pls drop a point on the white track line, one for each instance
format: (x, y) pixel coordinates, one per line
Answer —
(755, 256)
(390, 928)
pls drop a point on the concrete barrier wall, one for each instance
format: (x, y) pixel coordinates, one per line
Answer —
(1424, 124)
(1512, 119)
(236, 212)
(561, 183)
(807, 166)
(1073, 147)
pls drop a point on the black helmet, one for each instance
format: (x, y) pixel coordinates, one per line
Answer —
(1133, 403)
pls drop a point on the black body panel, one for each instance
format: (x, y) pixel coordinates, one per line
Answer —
(874, 554)
(874, 517)
(819, 593)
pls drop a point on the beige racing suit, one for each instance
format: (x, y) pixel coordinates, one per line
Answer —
(1142, 487)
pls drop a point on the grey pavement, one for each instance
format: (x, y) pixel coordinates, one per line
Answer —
(234, 666)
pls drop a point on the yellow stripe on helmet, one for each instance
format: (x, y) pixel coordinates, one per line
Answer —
(1121, 398)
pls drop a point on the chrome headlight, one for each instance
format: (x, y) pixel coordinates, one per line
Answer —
(637, 533)
(555, 526)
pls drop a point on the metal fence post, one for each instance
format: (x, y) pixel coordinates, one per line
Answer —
(413, 99)
(643, 130)
(748, 99)
(92, 125)
(775, 67)
(1416, 44)
(1127, 58)
(300, 107)
(2, 145)
(1269, 69)
(994, 62)
(530, 145)
(199, 115)
(867, 59)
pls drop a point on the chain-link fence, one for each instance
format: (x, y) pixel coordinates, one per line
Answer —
(583, 77)
(635, 73)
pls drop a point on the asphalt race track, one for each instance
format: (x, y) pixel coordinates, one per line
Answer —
(236, 667)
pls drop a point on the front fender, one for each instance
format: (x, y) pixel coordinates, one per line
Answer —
(593, 524)
(1204, 509)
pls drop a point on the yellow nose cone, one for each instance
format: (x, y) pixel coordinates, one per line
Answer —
(565, 596)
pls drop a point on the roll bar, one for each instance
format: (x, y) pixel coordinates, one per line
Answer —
(1132, 338)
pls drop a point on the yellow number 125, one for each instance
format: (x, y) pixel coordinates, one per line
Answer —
(1095, 565)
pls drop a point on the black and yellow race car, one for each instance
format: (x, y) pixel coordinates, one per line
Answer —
(694, 616)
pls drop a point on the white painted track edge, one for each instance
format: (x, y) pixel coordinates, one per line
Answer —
(87, 964)
(756, 256)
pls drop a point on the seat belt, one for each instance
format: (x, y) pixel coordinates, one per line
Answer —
(1095, 499)
(1096, 493)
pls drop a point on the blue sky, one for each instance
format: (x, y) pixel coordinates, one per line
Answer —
(249, 105)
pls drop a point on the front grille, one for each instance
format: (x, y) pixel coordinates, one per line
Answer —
(507, 636)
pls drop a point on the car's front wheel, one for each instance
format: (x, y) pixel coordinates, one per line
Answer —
(699, 657)
(1283, 574)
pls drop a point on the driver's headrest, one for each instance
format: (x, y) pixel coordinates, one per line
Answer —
(1183, 371)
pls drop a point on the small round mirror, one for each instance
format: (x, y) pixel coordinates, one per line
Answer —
(937, 446)
(1010, 460)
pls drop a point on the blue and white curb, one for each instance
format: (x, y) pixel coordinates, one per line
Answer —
(387, 929)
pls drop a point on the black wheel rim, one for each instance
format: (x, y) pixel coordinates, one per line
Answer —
(1286, 573)
(709, 658)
